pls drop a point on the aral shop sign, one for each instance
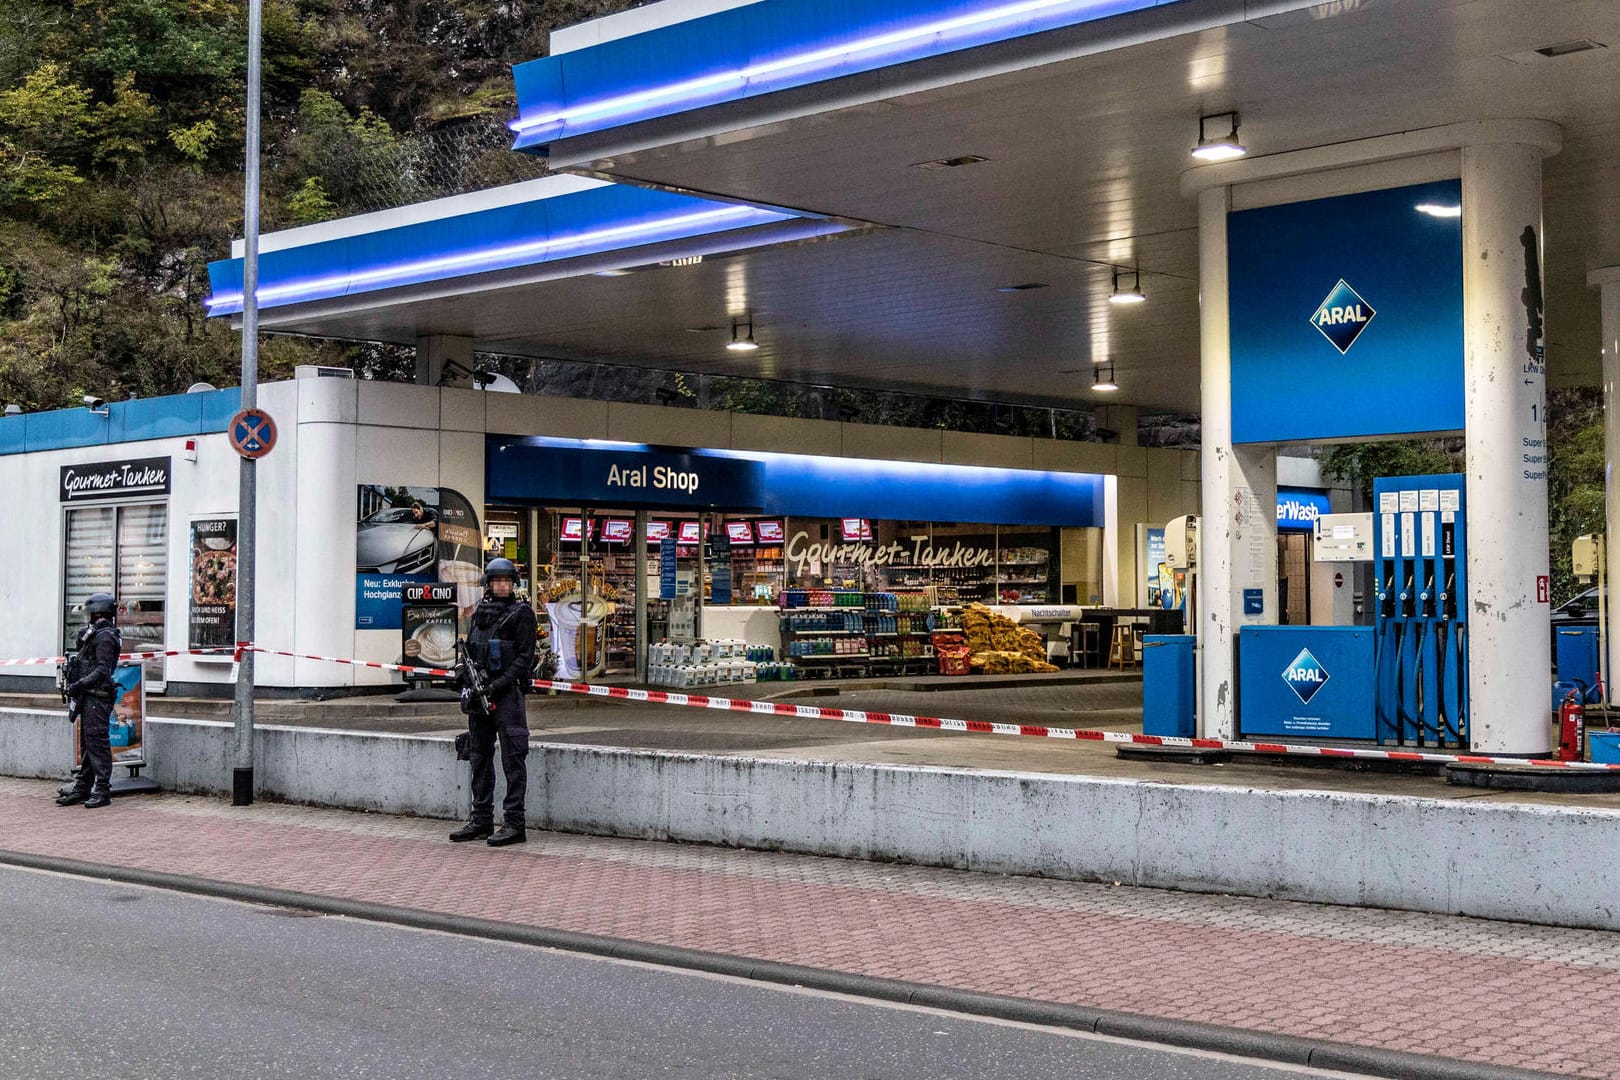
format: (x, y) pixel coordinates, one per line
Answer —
(802, 552)
(115, 479)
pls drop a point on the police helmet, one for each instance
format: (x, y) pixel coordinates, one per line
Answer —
(500, 568)
(101, 606)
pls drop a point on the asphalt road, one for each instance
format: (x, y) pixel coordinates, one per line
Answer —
(103, 980)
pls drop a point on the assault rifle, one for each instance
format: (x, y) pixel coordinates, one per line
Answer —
(67, 674)
(474, 686)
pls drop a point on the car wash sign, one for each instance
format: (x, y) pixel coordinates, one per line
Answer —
(1298, 509)
(1347, 317)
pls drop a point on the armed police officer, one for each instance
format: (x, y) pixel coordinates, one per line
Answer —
(90, 691)
(500, 649)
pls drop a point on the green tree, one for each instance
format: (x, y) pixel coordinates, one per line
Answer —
(1575, 470)
(309, 204)
(1359, 464)
(43, 123)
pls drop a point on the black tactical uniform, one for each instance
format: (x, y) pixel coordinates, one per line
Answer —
(98, 646)
(501, 644)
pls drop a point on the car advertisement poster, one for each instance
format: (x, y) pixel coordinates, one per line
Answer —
(413, 535)
(126, 728)
(213, 583)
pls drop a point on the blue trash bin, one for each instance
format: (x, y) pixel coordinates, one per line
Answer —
(1167, 685)
(1577, 658)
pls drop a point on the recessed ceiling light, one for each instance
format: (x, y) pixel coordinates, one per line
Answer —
(1132, 293)
(1023, 287)
(950, 162)
(1220, 146)
(1564, 48)
(687, 260)
(614, 273)
(1553, 52)
(1439, 210)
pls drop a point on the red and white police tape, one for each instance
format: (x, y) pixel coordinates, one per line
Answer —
(32, 660)
(859, 716)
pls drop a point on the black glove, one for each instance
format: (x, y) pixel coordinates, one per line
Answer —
(464, 746)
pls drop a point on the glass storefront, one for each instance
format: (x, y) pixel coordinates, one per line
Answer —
(122, 550)
(751, 561)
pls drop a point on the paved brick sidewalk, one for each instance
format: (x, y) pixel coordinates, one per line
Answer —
(1533, 997)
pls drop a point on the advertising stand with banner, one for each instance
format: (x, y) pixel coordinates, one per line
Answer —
(428, 626)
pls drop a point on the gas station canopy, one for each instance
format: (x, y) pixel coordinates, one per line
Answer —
(936, 195)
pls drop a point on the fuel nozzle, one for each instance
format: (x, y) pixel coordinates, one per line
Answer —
(1448, 599)
(1428, 596)
(1386, 598)
(1408, 600)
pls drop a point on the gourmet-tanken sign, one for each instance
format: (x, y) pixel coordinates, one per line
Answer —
(805, 553)
(114, 479)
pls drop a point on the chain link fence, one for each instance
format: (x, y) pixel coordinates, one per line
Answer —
(452, 160)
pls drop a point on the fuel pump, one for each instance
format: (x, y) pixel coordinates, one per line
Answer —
(1421, 654)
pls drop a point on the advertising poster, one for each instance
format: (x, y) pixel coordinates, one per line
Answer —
(127, 727)
(666, 571)
(413, 535)
(213, 583)
(719, 570)
(1155, 565)
(428, 625)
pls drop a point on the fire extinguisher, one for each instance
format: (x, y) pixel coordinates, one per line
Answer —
(1572, 728)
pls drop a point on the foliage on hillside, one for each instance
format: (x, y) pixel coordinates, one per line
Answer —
(121, 131)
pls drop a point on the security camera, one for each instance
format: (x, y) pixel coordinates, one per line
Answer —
(93, 403)
(483, 377)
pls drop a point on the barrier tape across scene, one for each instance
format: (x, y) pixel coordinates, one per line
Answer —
(859, 716)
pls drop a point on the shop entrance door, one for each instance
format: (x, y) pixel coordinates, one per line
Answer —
(1294, 578)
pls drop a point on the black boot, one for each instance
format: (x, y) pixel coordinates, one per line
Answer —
(98, 799)
(471, 831)
(507, 835)
(72, 798)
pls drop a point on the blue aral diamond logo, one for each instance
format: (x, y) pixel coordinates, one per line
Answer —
(1305, 675)
(1343, 316)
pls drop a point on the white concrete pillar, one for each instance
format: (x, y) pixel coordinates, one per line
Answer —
(1608, 280)
(1509, 654)
(1238, 526)
(436, 352)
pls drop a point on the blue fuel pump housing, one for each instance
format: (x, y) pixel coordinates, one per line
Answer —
(1421, 621)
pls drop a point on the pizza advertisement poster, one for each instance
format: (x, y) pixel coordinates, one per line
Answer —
(213, 583)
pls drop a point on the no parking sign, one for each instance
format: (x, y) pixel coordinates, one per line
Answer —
(253, 433)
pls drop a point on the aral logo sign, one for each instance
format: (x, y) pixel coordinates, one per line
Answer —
(1343, 316)
(1305, 676)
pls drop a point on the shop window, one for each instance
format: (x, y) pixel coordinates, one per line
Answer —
(122, 550)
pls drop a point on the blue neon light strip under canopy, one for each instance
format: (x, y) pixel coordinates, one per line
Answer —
(604, 219)
(764, 47)
(544, 470)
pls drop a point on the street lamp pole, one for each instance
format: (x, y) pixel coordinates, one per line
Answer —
(242, 772)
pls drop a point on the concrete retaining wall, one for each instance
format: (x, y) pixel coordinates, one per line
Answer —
(1537, 864)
